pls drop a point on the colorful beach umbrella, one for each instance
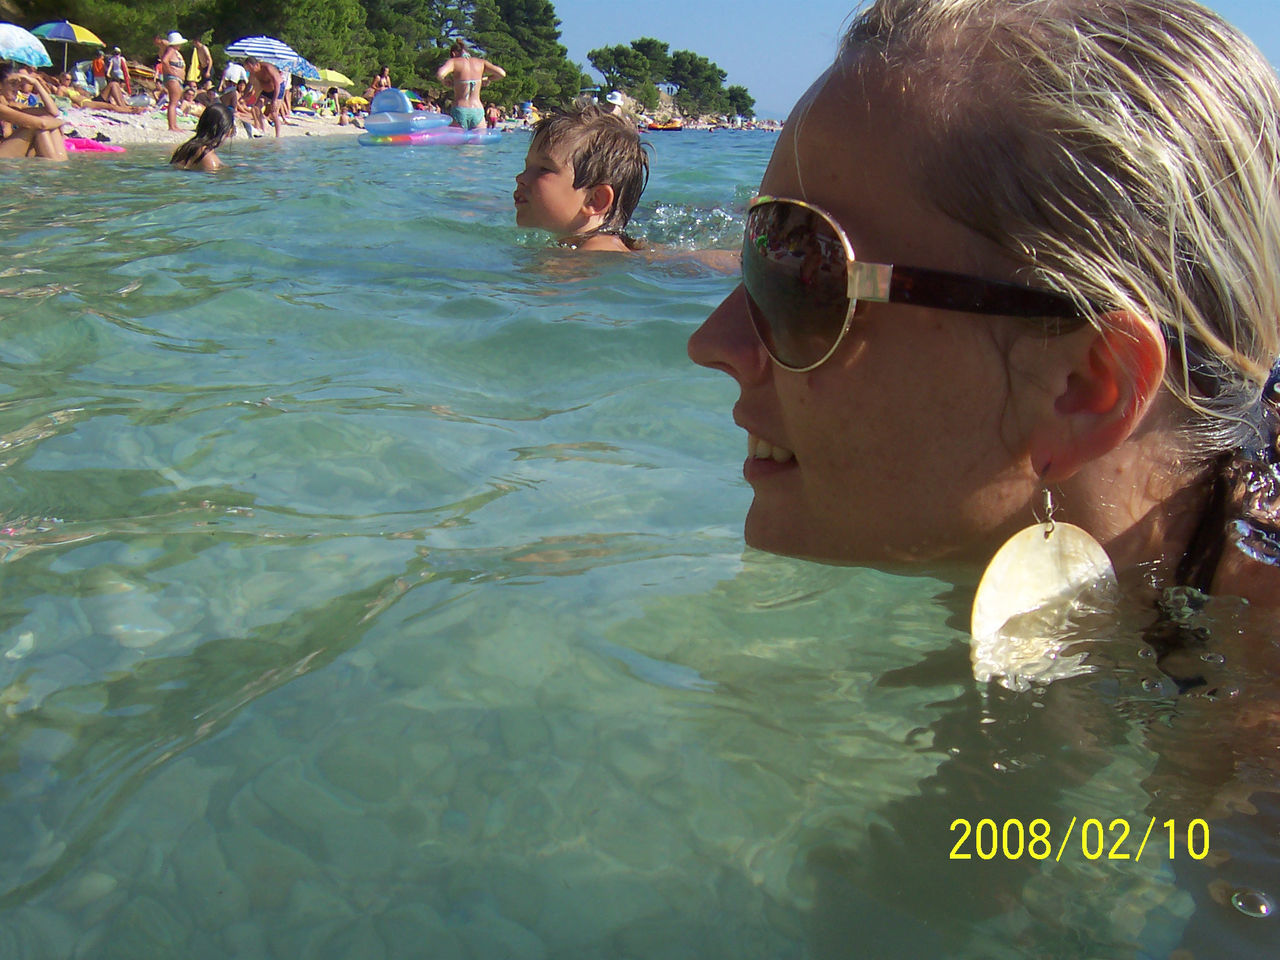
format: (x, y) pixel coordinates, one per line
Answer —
(22, 46)
(334, 77)
(66, 33)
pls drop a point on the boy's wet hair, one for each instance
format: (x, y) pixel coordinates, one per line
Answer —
(602, 148)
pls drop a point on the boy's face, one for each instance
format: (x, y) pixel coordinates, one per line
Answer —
(545, 196)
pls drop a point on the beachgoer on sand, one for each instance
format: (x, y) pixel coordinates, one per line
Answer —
(33, 131)
(99, 70)
(269, 85)
(201, 66)
(233, 74)
(118, 71)
(170, 71)
(583, 176)
(468, 74)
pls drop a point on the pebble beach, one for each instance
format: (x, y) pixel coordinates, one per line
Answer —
(152, 127)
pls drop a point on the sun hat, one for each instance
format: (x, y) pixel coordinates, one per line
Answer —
(175, 37)
(115, 49)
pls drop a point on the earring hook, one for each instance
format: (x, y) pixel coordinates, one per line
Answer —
(1047, 509)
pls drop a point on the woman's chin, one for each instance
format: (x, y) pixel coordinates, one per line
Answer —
(789, 537)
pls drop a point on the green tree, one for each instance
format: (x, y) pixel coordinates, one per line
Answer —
(132, 26)
(740, 101)
(655, 51)
(646, 94)
(408, 36)
(623, 68)
(523, 37)
(701, 83)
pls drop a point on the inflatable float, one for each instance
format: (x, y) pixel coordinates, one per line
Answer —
(91, 146)
(392, 121)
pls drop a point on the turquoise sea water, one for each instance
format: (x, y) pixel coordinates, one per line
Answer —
(373, 586)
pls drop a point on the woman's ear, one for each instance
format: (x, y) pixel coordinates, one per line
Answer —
(1106, 385)
(599, 200)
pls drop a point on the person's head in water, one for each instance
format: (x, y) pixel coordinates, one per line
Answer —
(1100, 179)
(584, 173)
(217, 122)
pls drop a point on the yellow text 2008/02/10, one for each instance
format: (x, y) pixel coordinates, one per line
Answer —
(1092, 838)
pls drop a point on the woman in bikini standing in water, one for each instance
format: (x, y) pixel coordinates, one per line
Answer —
(468, 72)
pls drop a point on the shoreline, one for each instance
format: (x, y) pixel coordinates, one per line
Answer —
(152, 127)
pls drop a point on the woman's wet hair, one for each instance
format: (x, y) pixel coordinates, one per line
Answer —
(602, 148)
(1127, 152)
(216, 123)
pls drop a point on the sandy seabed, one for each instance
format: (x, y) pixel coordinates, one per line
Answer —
(152, 127)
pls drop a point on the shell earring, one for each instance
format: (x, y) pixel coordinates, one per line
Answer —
(1028, 596)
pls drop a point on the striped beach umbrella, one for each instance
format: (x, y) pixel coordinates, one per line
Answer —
(64, 32)
(264, 48)
(22, 46)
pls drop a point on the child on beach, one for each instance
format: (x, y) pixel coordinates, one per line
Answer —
(582, 178)
(216, 124)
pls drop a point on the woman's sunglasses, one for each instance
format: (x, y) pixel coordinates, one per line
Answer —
(803, 283)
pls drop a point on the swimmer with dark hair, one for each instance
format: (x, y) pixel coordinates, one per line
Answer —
(215, 125)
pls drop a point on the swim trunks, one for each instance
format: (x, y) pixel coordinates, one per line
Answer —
(468, 118)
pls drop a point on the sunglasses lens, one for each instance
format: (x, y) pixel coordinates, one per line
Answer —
(795, 271)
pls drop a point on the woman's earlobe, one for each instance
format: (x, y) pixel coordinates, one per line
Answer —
(1105, 395)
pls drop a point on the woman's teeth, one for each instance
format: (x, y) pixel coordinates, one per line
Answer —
(759, 449)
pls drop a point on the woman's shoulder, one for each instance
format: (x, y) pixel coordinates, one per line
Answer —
(1255, 580)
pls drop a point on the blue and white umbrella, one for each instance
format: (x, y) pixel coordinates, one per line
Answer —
(303, 68)
(276, 52)
(22, 46)
(264, 48)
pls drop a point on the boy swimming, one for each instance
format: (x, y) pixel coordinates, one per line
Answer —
(582, 178)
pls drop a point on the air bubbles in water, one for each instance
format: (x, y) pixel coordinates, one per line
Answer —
(1252, 903)
(1213, 658)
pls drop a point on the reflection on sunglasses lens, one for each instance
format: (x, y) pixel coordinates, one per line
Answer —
(794, 270)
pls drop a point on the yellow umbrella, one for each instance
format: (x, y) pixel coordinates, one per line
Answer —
(336, 78)
(358, 101)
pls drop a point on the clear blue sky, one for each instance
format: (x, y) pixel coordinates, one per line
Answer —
(764, 45)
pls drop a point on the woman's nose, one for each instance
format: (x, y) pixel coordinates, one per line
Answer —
(727, 341)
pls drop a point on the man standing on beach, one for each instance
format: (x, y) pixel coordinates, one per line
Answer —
(269, 84)
(468, 74)
(201, 66)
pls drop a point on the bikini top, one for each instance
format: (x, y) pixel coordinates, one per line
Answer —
(1244, 502)
(1243, 511)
